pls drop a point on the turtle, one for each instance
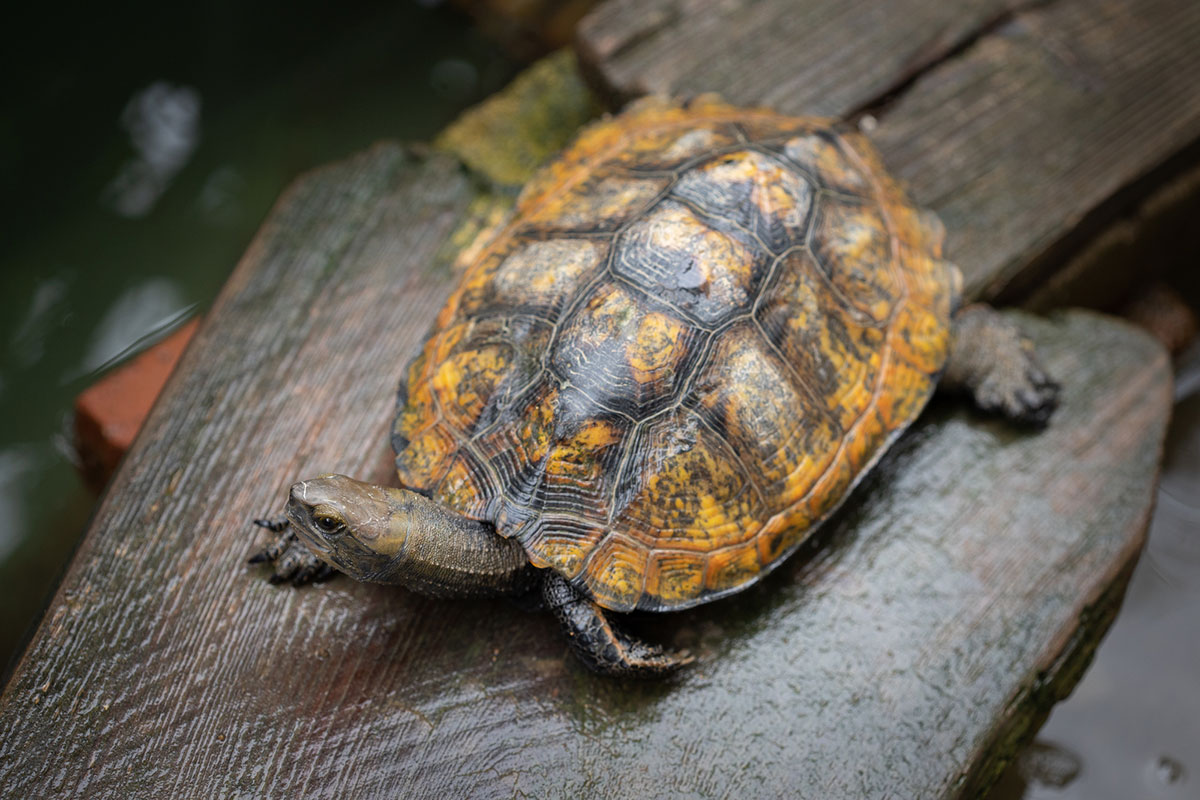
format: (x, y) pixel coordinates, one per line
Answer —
(698, 329)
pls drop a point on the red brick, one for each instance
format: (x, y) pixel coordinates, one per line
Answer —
(110, 412)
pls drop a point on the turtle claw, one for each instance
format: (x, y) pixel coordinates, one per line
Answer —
(275, 524)
(1018, 388)
(292, 561)
(653, 661)
(318, 572)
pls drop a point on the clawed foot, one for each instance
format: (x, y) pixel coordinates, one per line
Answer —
(600, 643)
(997, 366)
(635, 658)
(292, 561)
(1019, 389)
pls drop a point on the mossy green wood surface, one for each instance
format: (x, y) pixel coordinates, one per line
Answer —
(508, 136)
(1028, 125)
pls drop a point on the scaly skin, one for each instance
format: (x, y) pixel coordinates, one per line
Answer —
(599, 642)
(394, 536)
(383, 535)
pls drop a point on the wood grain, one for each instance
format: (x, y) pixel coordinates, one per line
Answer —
(1032, 141)
(1031, 128)
(945, 598)
(952, 599)
(821, 57)
(955, 598)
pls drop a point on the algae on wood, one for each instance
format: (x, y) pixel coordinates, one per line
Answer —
(508, 136)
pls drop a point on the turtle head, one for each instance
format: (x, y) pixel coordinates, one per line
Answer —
(383, 535)
(358, 528)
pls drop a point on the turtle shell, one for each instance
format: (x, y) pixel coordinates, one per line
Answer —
(700, 327)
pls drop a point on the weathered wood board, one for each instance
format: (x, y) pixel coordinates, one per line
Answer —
(822, 57)
(958, 594)
(1031, 130)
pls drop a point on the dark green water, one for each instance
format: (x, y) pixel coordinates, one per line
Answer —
(141, 149)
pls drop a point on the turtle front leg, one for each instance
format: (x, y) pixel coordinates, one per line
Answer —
(292, 561)
(600, 644)
(991, 361)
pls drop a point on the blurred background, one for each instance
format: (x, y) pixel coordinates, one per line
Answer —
(147, 145)
(144, 145)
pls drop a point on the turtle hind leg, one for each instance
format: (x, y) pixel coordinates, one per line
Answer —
(991, 361)
(291, 560)
(600, 644)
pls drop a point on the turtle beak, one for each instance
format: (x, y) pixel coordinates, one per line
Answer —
(296, 504)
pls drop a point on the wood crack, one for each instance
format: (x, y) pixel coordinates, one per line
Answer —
(931, 57)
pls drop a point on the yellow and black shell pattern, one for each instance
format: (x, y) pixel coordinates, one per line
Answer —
(700, 327)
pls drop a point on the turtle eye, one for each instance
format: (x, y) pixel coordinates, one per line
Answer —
(327, 522)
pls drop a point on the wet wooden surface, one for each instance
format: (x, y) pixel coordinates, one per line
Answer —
(959, 594)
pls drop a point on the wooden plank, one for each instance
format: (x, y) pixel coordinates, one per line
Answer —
(527, 28)
(822, 57)
(959, 593)
(1024, 145)
(165, 665)
(1027, 142)
(159, 632)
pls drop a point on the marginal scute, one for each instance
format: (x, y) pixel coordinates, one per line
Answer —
(933, 284)
(863, 444)
(561, 548)
(426, 457)
(854, 249)
(906, 385)
(465, 487)
(818, 153)
(617, 572)
(919, 339)
(693, 144)
(674, 577)
(701, 325)
(417, 411)
(732, 567)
